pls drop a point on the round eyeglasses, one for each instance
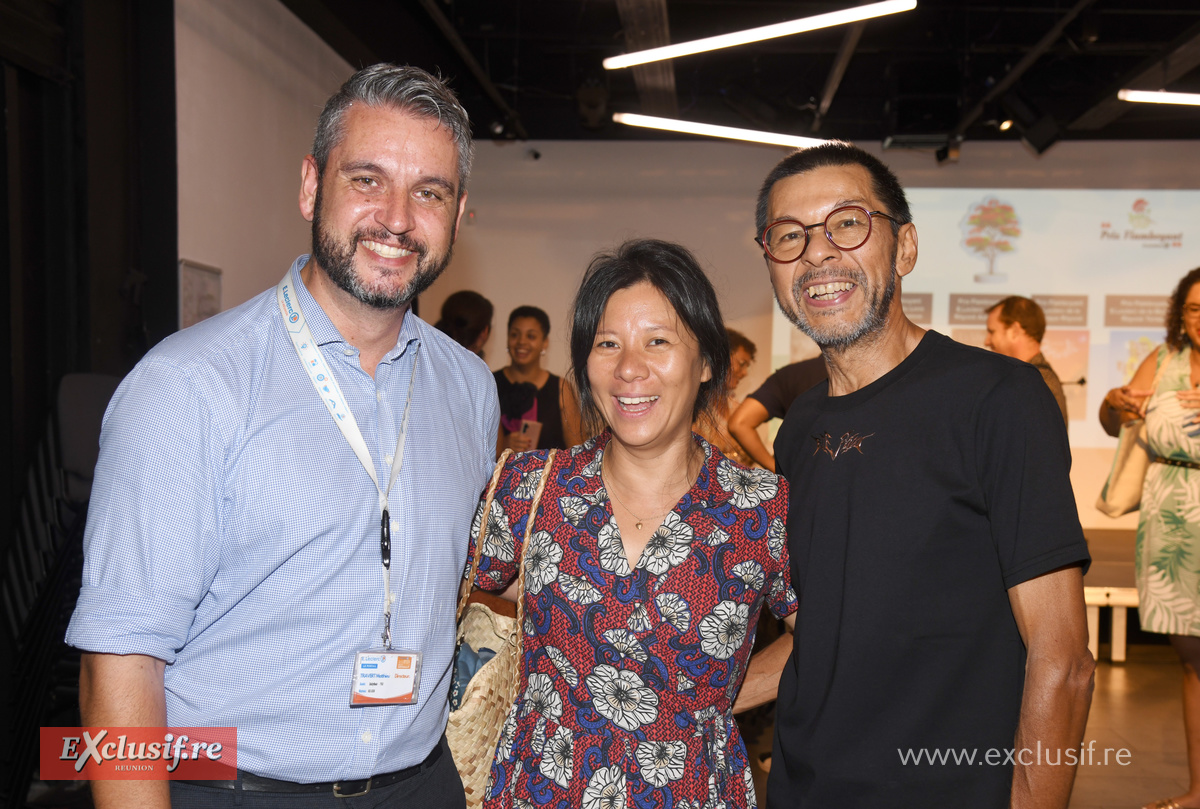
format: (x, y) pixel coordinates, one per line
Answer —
(847, 228)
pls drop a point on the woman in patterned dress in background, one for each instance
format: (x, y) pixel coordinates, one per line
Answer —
(1167, 556)
(650, 558)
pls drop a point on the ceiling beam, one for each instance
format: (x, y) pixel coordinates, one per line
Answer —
(1027, 61)
(646, 26)
(845, 53)
(1176, 60)
(512, 118)
(326, 24)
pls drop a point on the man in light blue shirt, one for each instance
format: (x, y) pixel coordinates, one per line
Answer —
(285, 483)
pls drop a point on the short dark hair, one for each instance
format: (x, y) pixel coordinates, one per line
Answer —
(1176, 336)
(401, 87)
(837, 153)
(1025, 311)
(738, 340)
(465, 314)
(672, 270)
(537, 314)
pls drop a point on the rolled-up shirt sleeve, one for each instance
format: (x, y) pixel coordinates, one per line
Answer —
(153, 532)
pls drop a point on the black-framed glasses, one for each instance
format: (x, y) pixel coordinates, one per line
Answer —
(847, 228)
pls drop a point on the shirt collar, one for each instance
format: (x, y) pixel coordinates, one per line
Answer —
(322, 328)
(706, 489)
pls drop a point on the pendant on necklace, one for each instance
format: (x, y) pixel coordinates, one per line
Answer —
(639, 525)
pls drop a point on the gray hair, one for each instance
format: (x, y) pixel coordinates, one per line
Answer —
(405, 88)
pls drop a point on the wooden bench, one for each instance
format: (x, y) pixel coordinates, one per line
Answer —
(1110, 582)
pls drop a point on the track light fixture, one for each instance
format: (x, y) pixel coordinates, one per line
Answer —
(781, 29)
(713, 131)
(1159, 97)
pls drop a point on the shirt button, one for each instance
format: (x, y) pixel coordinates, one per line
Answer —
(379, 396)
(366, 737)
(349, 352)
(387, 459)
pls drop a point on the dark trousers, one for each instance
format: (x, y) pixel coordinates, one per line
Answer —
(437, 787)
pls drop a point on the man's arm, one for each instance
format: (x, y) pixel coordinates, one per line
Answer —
(762, 674)
(572, 421)
(1051, 618)
(743, 426)
(124, 691)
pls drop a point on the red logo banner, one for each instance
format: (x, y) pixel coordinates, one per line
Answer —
(129, 754)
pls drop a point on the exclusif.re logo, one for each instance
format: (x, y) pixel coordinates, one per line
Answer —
(98, 754)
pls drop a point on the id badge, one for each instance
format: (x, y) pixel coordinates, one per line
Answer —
(386, 677)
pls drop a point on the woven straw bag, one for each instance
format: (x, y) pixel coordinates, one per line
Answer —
(473, 731)
(1122, 492)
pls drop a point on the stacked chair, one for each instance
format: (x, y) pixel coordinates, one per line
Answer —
(41, 576)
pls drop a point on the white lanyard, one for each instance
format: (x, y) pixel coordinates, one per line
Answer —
(327, 388)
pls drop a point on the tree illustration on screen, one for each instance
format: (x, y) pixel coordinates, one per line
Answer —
(989, 231)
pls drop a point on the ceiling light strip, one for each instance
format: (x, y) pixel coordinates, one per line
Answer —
(757, 34)
(713, 131)
(1159, 97)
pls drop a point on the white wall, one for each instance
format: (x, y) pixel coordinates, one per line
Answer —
(250, 82)
(537, 222)
(252, 79)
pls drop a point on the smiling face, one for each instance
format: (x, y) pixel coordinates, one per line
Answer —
(386, 211)
(526, 341)
(838, 297)
(645, 369)
(739, 365)
(1191, 314)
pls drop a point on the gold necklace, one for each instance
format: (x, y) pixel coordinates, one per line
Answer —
(638, 521)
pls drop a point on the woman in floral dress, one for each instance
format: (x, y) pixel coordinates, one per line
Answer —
(1167, 560)
(650, 557)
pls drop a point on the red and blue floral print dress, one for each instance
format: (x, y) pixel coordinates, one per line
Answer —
(629, 673)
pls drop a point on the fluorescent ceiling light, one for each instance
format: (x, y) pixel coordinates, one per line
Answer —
(1159, 97)
(757, 34)
(692, 128)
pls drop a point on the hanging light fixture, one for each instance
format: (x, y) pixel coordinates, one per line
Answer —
(1159, 97)
(758, 34)
(713, 131)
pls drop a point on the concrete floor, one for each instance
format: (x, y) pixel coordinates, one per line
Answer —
(1136, 707)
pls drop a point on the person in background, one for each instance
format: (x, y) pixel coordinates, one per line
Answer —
(771, 401)
(1168, 525)
(538, 410)
(467, 318)
(715, 428)
(1015, 328)
(651, 558)
(236, 533)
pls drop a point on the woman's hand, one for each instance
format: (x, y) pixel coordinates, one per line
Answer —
(1127, 399)
(519, 442)
(1191, 400)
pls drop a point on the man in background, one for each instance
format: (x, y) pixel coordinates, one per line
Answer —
(1015, 328)
(771, 401)
(255, 481)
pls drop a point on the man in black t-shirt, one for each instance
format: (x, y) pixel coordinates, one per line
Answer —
(771, 401)
(940, 650)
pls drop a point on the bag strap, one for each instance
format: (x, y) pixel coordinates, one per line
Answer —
(468, 583)
(1158, 375)
(533, 510)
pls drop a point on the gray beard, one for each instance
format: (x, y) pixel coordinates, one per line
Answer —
(337, 260)
(878, 307)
